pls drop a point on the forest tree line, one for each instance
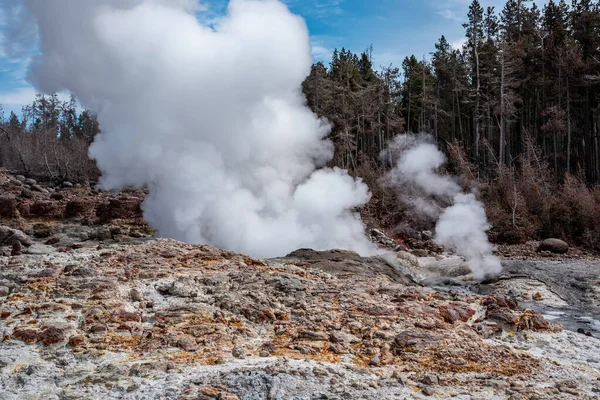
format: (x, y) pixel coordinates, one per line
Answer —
(522, 74)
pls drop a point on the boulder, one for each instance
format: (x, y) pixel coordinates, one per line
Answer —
(311, 255)
(38, 188)
(8, 236)
(345, 262)
(555, 246)
(40, 249)
(381, 238)
(411, 259)
(27, 193)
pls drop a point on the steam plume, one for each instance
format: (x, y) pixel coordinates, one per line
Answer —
(211, 120)
(462, 225)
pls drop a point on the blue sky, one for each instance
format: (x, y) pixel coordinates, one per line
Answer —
(395, 28)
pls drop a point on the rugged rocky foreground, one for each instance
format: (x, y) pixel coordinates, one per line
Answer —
(163, 319)
(90, 308)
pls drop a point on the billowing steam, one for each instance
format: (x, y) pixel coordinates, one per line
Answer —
(212, 120)
(462, 225)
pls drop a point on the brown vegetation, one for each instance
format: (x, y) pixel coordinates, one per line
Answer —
(49, 142)
(527, 203)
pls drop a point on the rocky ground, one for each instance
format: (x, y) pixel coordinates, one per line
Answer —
(529, 251)
(92, 307)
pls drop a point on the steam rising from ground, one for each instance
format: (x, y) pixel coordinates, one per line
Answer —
(214, 123)
(462, 226)
(211, 120)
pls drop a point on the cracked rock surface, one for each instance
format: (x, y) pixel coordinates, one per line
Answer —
(164, 319)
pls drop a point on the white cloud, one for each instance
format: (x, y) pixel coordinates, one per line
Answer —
(458, 43)
(317, 8)
(18, 97)
(447, 13)
(320, 53)
(324, 8)
(386, 57)
(319, 50)
(23, 96)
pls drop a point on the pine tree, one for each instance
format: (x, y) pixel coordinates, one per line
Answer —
(474, 33)
(14, 125)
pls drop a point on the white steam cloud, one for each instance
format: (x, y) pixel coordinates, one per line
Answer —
(212, 120)
(462, 226)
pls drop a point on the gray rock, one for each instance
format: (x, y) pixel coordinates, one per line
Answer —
(20, 178)
(402, 380)
(420, 252)
(342, 337)
(15, 182)
(136, 295)
(39, 249)
(238, 352)
(381, 238)
(78, 232)
(83, 272)
(4, 291)
(375, 361)
(30, 182)
(38, 188)
(8, 236)
(101, 233)
(287, 284)
(343, 262)
(182, 289)
(148, 368)
(67, 184)
(428, 391)
(408, 258)
(555, 246)
(26, 193)
(430, 379)
(313, 335)
(378, 234)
